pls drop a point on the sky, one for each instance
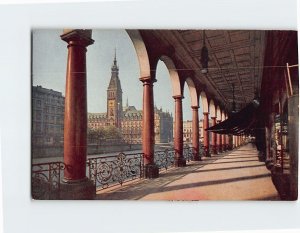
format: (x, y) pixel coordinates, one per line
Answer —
(50, 60)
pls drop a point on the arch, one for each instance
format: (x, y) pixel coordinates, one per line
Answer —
(176, 87)
(218, 113)
(204, 102)
(212, 109)
(141, 52)
(223, 117)
(193, 92)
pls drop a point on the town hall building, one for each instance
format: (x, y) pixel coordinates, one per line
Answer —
(128, 119)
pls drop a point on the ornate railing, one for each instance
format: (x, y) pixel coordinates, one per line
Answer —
(104, 171)
(164, 159)
(188, 153)
(112, 170)
(45, 180)
(201, 150)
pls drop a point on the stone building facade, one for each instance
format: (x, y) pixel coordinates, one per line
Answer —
(128, 119)
(47, 116)
(188, 131)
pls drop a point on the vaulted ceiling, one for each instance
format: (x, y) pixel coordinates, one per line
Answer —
(235, 57)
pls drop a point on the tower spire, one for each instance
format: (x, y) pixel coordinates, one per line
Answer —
(115, 59)
(127, 102)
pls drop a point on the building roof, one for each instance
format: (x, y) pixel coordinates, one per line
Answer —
(114, 82)
(40, 89)
(97, 116)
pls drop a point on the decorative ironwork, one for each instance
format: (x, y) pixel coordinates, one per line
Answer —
(46, 179)
(164, 159)
(112, 170)
(188, 153)
(201, 150)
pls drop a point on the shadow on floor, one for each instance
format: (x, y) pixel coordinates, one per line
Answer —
(211, 170)
(140, 191)
(239, 161)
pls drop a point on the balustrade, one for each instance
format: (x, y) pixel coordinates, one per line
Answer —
(104, 171)
(46, 180)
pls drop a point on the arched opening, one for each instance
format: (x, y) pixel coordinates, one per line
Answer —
(218, 113)
(212, 121)
(187, 104)
(163, 101)
(192, 92)
(212, 109)
(204, 102)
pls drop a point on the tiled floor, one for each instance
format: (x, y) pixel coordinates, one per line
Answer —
(235, 175)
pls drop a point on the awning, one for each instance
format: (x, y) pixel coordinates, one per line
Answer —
(242, 122)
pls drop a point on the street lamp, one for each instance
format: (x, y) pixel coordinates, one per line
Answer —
(204, 56)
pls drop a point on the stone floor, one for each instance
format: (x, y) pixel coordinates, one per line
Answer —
(234, 175)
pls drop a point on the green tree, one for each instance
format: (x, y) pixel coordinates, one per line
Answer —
(112, 132)
(103, 133)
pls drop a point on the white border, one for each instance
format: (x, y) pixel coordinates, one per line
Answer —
(23, 215)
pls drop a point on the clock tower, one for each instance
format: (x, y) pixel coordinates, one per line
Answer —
(114, 97)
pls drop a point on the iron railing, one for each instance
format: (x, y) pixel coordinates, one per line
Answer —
(104, 171)
(188, 153)
(113, 170)
(46, 180)
(164, 159)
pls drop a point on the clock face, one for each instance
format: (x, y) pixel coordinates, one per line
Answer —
(111, 103)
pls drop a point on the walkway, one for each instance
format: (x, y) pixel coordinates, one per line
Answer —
(235, 175)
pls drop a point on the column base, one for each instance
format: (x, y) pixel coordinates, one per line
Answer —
(206, 152)
(180, 162)
(151, 171)
(196, 157)
(81, 190)
(215, 151)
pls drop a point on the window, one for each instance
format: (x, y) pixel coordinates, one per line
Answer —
(38, 115)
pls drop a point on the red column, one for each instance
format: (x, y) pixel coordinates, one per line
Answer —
(219, 141)
(195, 129)
(178, 133)
(224, 147)
(206, 134)
(75, 122)
(214, 137)
(151, 170)
(227, 141)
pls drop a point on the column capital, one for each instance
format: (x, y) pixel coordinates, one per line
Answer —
(213, 117)
(147, 80)
(205, 113)
(178, 97)
(195, 108)
(81, 37)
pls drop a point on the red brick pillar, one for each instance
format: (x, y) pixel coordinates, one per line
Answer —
(206, 134)
(178, 133)
(224, 146)
(76, 185)
(219, 140)
(75, 123)
(227, 141)
(195, 130)
(151, 170)
(214, 138)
